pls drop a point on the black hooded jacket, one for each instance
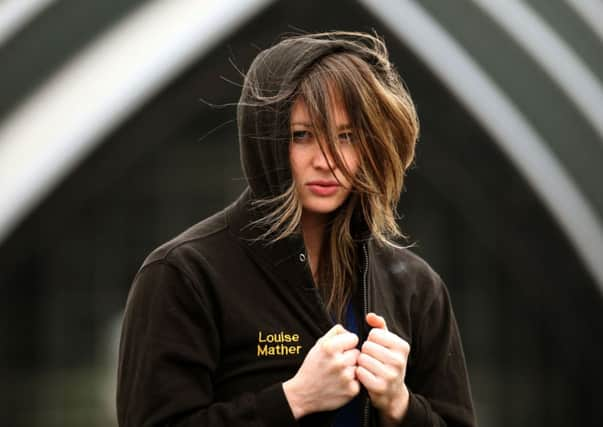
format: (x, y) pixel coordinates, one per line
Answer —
(215, 321)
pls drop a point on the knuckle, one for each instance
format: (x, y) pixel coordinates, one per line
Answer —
(357, 372)
(350, 335)
(338, 362)
(351, 358)
(360, 373)
(326, 346)
(399, 362)
(363, 359)
(345, 375)
(391, 375)
(353, 388)
(351, 374)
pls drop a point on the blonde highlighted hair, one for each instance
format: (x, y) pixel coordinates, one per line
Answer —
(386, 128)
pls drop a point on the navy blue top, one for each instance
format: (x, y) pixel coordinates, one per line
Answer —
(349, 414)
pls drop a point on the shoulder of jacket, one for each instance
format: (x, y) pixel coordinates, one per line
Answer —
(410, 268)
(194, 241)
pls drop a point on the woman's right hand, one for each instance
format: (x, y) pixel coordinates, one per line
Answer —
(326, 379)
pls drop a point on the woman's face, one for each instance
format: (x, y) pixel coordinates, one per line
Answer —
(317, 186)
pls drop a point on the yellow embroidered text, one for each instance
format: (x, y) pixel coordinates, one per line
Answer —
(278, 344)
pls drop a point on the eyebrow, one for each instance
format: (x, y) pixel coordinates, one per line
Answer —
(309, 125)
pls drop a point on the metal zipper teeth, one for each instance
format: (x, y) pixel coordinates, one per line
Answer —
(366, 407)
(365, 413)
(365, 281)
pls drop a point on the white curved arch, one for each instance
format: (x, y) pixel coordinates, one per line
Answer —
(515, 136)
(551, 52)
(591, 12)
(61, 123)
(14, 14)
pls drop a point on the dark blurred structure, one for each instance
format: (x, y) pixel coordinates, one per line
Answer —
(504, 200)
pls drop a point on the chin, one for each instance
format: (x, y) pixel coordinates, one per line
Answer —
(320, 209)
(322, 206)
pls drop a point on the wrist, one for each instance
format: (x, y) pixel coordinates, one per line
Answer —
(398, 407)
(294, 398)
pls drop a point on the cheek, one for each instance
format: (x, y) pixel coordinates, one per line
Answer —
(352, 160)
(294, 161)
(292, 158)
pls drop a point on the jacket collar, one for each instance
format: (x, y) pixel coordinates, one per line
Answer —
(286, 257)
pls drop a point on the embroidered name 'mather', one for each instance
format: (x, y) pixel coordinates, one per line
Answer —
(278, 344)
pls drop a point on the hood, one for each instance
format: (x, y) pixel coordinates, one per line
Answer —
(267, 96)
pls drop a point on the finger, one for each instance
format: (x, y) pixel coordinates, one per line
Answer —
(335, 330)
(375, 321)
(377, 368)
(350, 357)
(340, 343)
(349, 373)
(353, 388)
(324, 341)
(384, 354)
(372, 383)
(389, 340)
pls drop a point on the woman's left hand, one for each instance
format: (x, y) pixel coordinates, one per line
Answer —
(382, 368)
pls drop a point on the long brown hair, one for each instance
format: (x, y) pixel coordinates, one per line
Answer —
(385, 127)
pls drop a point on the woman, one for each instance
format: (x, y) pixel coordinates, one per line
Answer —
(293, 306)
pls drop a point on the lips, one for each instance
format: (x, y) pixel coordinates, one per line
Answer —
(324, 183)
(323, 187)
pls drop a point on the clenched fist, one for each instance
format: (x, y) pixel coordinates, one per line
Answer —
(326, 379)
(382, 369)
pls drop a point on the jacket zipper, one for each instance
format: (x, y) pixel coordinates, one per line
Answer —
(364, 416)
(364, 421)
(365, 281)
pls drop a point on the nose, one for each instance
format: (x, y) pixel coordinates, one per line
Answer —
(322, 160)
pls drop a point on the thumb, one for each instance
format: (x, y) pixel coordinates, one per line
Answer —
(375, 321)
(335, 330)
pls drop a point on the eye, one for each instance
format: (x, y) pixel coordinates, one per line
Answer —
(300, 135)
(347, 137)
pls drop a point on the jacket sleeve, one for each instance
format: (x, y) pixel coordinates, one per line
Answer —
(169, 351)
(439, 387)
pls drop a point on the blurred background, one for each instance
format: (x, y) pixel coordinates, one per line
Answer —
(109, 147)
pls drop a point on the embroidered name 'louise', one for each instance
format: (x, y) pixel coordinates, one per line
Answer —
(278, 344)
